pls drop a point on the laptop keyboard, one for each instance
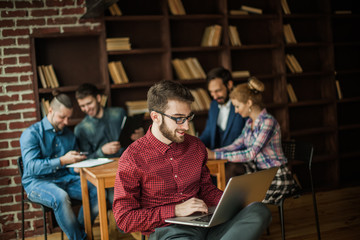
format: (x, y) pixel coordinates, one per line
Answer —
(205, 218)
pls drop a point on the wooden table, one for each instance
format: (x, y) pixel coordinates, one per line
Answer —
(103, 177)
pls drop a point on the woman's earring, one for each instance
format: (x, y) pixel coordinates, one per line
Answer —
(250, 109)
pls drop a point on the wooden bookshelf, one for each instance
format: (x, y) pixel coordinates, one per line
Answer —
(325, 43)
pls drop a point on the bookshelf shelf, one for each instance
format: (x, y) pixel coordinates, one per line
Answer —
(325, 43)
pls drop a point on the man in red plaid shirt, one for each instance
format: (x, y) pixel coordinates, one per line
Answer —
(164, 174)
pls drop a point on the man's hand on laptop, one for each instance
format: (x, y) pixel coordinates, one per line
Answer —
(190, 206)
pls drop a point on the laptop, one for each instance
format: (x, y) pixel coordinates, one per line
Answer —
(239, 192)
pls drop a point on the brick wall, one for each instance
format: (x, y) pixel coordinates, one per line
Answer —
(19, 19)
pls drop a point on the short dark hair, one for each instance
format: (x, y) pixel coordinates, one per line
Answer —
(219, 72)
(160, 93)
(85, 90)
(61, 99)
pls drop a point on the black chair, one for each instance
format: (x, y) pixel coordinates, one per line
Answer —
(299, 151)
(43, 208)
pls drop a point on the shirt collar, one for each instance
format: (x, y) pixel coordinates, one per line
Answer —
(160, 146)
(48, 127)
(226, 105)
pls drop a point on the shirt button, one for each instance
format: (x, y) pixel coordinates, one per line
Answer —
(176, 176)
(55, 156)
(56, 145)
(181, 193)
(57, 167)
(171, 158)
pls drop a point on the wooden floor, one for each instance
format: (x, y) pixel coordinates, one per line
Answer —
(339, 214)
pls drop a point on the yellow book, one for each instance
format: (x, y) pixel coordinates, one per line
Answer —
(291, 93)
(121, 70)
(42, 77)
(251, 9)
(115, 75)
(338, 89)
(53, 75)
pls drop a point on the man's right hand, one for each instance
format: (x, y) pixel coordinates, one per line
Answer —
(111, 147)
(71, 157)
(190, 206)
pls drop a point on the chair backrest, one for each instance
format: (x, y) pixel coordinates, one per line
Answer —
(298, 151)
(20, 166)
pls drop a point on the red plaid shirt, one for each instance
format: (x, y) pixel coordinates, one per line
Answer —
(153, 177)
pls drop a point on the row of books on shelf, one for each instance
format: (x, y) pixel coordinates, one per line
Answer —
(289, 34)
(245, 10)
(211, 36)
(188, 68)
(176, 7)
(202, 99)
(293, 64)
(115, 10)
(115, 44)
(47, 76)
(117, 72)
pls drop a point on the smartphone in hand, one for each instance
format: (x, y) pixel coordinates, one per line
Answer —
(84, 153)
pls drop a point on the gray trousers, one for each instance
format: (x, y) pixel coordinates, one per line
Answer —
(248, 224)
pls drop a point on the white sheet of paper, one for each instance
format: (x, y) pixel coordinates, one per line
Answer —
(90, 163)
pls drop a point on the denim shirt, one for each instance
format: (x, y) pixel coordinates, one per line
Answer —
(41, 149)
(92, 133)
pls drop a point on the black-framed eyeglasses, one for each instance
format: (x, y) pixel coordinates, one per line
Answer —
(178, 120)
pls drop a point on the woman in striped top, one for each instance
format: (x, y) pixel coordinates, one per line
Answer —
(259, 145)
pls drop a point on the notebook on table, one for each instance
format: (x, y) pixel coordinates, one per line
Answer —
(239, 192)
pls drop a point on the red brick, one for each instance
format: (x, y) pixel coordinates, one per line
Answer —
(69, 11)
(9, 235)
(15, 13)
(3, 126)
(44, 12)
(29, 114)
(17, 88)
(3, 145)
(13, 51)
(65, 20)
(5, 98)
(23, 41)
(11, 227)
(2, 107)
(29, 4)
(18, 69)
(7, 135)
(7, 42)
(17, 125)
(30, 22)
(8, 79)
(20, 106)
(25, 78)
(11, 116)
(80, 2)
(7, 4)
(9, 153)
(7, 199)
(28, 96)
(4, 182)
(10, 60)
(46, 30)
(15, 144)
(15, 32)
(25, 60)
(59, 3)
(7, 23)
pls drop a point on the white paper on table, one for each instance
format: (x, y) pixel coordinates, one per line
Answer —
(90, 163)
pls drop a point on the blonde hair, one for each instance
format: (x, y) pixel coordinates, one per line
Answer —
(252, 90)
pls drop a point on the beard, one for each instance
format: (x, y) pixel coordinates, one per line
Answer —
(224, 100)
(166, 132)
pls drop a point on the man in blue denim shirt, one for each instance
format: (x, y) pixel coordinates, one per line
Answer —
(47, 147)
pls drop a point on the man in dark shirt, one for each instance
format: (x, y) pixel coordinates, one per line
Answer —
(164, 174)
